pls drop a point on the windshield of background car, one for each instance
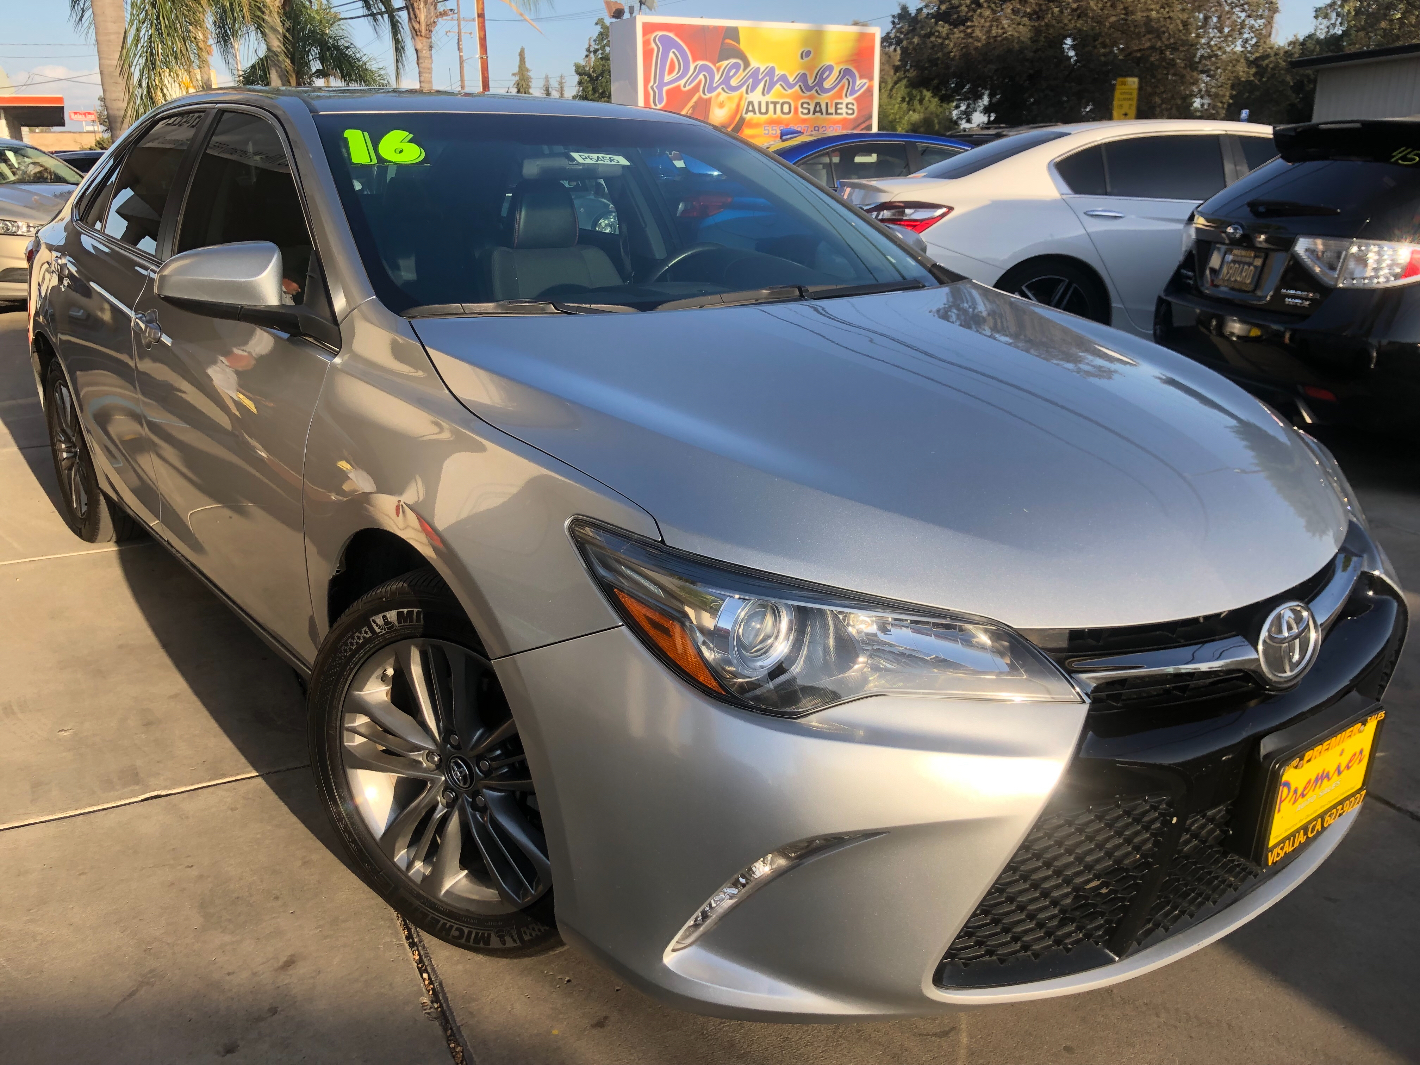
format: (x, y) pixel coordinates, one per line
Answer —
(478, 208)
(1332, 197)
(988, 154)
(23, 165)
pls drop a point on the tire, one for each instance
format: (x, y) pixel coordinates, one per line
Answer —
(90, 514)
(1059, 283)
(424, 776)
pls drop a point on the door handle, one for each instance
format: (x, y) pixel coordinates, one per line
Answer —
(1103, 214)
(149, 331)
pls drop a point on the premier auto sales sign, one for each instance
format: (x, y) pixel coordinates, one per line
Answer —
(751, 78)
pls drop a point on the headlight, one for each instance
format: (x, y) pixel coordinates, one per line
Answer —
(1189, 236)
(1345, 263)
(772, 645)
(11, 228)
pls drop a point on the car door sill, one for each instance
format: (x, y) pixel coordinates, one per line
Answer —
(290, 657)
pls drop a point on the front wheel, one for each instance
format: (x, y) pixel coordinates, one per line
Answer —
(1061, 284)
(423, 773)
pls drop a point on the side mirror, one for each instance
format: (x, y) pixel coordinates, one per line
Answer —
(238, 282)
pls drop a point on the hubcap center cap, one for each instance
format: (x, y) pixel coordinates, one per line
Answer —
(460, 773)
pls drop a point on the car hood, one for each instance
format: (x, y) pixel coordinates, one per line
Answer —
(33, 203)
(953, 447)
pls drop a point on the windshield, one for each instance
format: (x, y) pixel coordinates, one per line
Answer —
(610, 214)
(984, 156)
(22, 165)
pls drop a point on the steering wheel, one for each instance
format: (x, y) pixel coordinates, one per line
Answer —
(680, 257)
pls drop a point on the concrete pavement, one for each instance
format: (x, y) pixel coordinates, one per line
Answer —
(215, 919)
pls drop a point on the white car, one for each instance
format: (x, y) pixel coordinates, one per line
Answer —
(1087, 218)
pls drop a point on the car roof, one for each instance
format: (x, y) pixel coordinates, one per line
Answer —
(795, 149)
(319, 100)
(1165, 125)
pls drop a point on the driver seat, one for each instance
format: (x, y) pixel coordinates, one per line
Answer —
(541, 259)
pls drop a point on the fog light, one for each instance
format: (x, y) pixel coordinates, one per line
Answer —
(755, 876)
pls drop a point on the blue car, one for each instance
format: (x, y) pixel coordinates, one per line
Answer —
(844, 156)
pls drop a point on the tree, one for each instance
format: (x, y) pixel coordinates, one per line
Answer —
(316, 45)
(1359, 24)
(562, 86)
(104, 19)
(162, 48)
(522, 77)
(905, 109)
(1020, 61)
(594, 72)
(547, 84)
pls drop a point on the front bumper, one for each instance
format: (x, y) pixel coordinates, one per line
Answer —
(654, 797)
(14, 270)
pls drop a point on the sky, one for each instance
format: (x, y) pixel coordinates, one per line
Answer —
(43, 54)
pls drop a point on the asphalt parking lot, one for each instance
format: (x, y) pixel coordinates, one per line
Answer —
(170, 892)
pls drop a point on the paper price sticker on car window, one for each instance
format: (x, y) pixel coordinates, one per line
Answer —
(598, 157)
(397, 146)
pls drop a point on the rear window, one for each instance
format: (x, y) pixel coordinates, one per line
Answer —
(979, 159)
(1384, 197)
(1258, 150)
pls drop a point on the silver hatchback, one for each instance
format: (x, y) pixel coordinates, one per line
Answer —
(684, 568)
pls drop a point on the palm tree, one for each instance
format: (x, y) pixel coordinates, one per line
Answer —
(160, 49)
(104, 19)
(315, 45)
(423, 15)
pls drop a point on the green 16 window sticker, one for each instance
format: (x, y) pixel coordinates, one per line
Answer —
(396, 146)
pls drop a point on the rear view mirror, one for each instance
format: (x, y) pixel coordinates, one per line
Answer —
(239, 282)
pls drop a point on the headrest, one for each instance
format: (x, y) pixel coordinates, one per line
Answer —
(542, 215)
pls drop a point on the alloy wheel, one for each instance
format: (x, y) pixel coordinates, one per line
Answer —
(437, 771)
(65, 439)
(1062, 293)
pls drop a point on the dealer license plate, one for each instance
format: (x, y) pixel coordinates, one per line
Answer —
(1240, 269)
(1320, 785)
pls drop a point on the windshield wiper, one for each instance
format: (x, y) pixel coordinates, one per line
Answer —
(777, 294)
(823, 292)
(512, 307)
(1288, 209)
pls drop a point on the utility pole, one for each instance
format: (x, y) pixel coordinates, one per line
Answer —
(458, 16)
(482, 43)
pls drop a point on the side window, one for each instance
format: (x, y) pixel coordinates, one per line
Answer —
(135, 209)
(935, 153)
(1178, 167)
(1084, 172)
(242, 189)
(818, 166)
(1258, 150)
(96, 197)
(870, 160)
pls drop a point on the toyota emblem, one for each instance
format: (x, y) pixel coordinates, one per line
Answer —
(460, 775)
(1233, 233)
(1289, 643)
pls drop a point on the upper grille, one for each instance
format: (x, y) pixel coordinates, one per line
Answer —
(1146, 693)
(1081, 880)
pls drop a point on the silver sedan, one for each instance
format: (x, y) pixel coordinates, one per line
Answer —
(684, 568)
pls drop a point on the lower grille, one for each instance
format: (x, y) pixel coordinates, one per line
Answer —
(14, 274)
(1202, 874)
(1081, 881)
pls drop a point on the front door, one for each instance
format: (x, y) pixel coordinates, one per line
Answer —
(1152, 184)
(229, 403)
(110, 254)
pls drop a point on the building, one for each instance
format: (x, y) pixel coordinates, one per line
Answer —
(1375, 83)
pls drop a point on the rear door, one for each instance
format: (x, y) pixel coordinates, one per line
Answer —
(110, 253)
(230, 402)
(1133, 196)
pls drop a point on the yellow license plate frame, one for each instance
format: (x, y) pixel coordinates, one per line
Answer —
(1318, 785)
